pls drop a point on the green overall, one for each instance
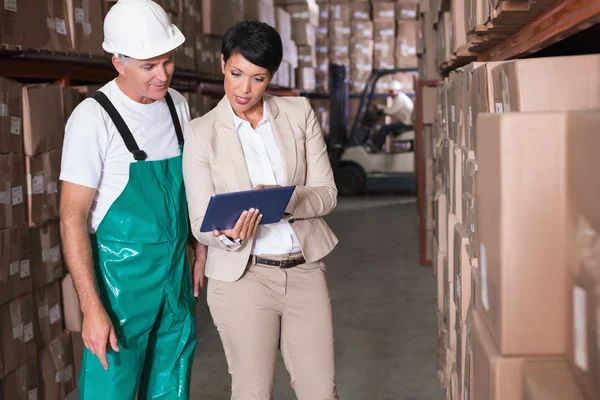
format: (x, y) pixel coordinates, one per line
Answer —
(144, 281)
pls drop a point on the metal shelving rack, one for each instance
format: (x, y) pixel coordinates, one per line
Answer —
(560, 21)
(68, 69)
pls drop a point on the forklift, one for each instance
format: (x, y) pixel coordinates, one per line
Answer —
(358, 165)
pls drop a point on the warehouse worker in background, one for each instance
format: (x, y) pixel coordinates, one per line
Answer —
(401, 112)
(124, 218)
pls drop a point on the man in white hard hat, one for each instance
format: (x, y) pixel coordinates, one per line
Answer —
(124, 217)
(401, 113)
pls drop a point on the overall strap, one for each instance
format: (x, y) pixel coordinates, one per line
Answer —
(175, 117)
(121, 126)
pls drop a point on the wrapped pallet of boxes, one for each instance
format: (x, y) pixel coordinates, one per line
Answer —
(13, 191)
(407, 10)
(22, 384)
(56, 368)
(17, 340)
(15, 270)
(11, 117)
(360, 11)
(85, 26)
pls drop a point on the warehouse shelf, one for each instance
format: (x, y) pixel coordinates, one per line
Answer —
(325, 96)
(68, 69)
(563, 19)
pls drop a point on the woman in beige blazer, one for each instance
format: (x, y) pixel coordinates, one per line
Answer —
(267, 286)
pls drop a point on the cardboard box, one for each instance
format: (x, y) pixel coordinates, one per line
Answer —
(407, 10)
(306, 79)
(11, 117)
(56, 367)
(307, 13)
(384, 12)
(218, 17)
(12, 190)
(283, 23)
(481, 98)
(494, 377)
(322, 34)
(70, 100)
(521, 245)
(78, 346)
(22, 384)
(54, 30)
(324, 14)
(72, 308)
(48, 320)
(307, 57)
(43, 172)
(448, 166)
(339, 53)
(15, 272)
(360, 11)
(449, 304)
(384, 30)
(362, 29)
(290, 53)
(205, 55)
(442, 262)
(43, 124)
(339, 31)
(518, 84)
(383, 56)
(458, 26)
(282, 76)
(550, 380)
(46, 257)
(584, 326)
(463, 100)
(361, 52)
(461, 156)
(441, 219)
(85, 26)
(304, 34)
(340, 12)
(462, 273)
(17, 341)
(442, 349)
(16, 24)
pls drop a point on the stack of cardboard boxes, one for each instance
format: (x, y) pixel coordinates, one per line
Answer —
(36, 352)
(516, 229)
(362, 47)
(322, 74)
(426, 44)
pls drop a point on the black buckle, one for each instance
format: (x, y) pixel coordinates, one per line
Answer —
(139, 155)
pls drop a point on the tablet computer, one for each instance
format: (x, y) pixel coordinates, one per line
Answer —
(225, 209)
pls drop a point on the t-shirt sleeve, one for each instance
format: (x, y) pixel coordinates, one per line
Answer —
(84, 149)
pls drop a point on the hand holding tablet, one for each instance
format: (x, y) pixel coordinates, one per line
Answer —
(238, 214)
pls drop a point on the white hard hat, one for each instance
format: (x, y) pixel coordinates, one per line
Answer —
(395, 85)
(140, 29)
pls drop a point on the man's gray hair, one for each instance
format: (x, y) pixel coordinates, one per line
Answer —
(123, 58)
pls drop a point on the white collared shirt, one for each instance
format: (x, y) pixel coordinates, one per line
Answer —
(265, 167)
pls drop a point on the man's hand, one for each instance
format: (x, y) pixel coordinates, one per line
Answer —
(198, 268)
(98, 333)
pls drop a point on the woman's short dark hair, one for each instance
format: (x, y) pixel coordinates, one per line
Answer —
(256, 41)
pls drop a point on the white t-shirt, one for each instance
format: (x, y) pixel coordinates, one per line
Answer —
(94, 154)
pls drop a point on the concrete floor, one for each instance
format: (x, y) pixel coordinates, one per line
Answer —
(383, 305)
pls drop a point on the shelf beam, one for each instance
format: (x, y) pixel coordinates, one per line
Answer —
(560, 21)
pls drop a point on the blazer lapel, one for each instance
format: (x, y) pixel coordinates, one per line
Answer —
(231, 143)
(284, 136)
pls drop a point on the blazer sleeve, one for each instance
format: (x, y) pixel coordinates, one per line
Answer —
(318, 196)
(199, 188)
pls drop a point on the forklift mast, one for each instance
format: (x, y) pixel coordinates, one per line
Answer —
(339, 89)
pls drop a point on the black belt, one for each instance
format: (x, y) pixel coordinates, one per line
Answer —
(279, 263)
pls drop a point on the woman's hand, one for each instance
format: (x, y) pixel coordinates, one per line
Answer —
(245, 228)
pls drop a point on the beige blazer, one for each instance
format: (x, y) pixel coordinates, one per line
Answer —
(213, 162)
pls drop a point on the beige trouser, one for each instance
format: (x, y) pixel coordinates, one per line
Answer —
(270, 307)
